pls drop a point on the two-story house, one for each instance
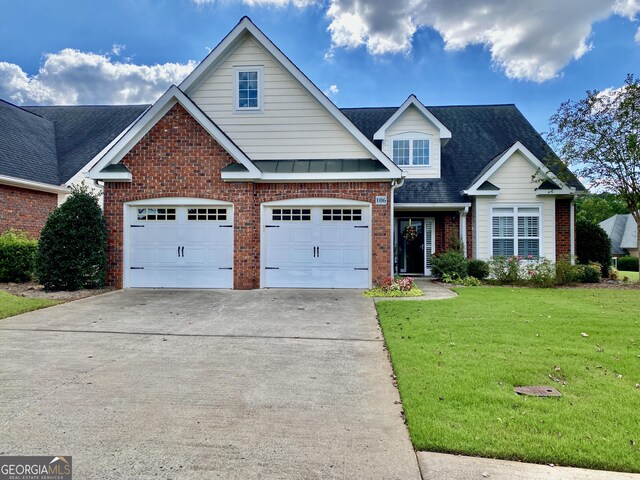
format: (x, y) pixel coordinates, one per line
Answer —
(246, 175)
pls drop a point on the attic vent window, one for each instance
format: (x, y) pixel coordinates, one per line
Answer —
(248, 89)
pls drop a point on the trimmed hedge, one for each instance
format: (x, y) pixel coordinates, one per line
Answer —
(17, 256)
(628, 264)
(72, 251)
(450, 263)
(478, 269)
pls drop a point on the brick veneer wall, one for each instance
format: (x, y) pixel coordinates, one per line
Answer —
(25, 209)
(563, 228)
(178, 158)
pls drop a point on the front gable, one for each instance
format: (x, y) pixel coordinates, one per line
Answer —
(292, 125)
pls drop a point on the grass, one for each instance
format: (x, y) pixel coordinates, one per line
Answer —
(379, 292)
(458, 360)
(633, 276)
(11, 305)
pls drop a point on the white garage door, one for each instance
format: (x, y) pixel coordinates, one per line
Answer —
(180, 247)
(316, 247)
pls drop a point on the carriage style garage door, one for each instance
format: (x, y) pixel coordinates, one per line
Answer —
(180, 246)
(316, 247)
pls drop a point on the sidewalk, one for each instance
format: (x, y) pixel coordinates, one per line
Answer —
(440, 466)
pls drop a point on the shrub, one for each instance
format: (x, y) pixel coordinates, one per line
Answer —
(397, 283)
(590, 275)
(628, 264)
(467, 282)
(449, 263)
(614, 274)
(72, 248)
(17, 256)
(593, 245)
(478, 269)
(505, 270)
(542, 274)
(567, 273)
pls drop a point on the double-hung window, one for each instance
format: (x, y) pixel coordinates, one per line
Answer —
(515, 231)
(411, 152)
(248, 89)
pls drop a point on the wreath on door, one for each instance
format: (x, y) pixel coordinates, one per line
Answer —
(410, 233)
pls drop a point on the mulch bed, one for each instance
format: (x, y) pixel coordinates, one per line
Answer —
(33, 290)
(604, 284)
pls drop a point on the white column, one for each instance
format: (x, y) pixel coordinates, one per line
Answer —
(572, 230)
(463, 230)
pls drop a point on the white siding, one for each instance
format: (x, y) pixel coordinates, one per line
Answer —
(77, 181)
(293, 124)
(412, 121)
(514, 178)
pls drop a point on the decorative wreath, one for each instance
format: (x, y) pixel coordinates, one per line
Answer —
(410, 233)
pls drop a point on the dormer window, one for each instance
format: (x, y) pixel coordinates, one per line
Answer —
(248, 89)
(411, 152)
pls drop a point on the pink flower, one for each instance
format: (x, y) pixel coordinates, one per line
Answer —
(531, 272)
(529, 257)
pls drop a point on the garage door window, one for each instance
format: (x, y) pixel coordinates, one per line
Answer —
(206, 214)
(342, 214)
(156, 214)
(291, 214)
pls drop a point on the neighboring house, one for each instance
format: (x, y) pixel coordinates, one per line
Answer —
(44, 150)
(247, 176)
(623, 232)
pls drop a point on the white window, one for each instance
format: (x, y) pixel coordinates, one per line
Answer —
(411, 152)
(341, 214)
(200, 214)
(156, 214)
(291, 214)
(248, 89)
(515, 231)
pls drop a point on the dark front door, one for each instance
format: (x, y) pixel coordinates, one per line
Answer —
(411, 246)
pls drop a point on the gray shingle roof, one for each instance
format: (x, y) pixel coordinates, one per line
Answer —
(622, 231)
(81, 132)
(479, 134)
(27, 146)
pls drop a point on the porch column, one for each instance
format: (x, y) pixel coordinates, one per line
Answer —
(463, 230)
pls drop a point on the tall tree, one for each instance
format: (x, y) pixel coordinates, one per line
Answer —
(599, 138)
(598, 207)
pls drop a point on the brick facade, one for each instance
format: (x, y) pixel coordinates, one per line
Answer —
(563, 228)
(178, 158)
(25, 209)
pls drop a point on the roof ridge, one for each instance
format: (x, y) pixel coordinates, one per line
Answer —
(477, 105)
(93, 105)
(23, 109)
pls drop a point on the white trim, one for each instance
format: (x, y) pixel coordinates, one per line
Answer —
(412, 100)
(163, 201)
(248, 68)
(316, 202)
(526, 153)
(178, 202)
(145, 122)
(572, 241)
(30, 185)
(412, 137)
(431, 220)
(190, 84)
(515, 206)
(309, 177)
(313, 202)
(431, 206)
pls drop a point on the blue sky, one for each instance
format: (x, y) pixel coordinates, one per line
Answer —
(367, 69)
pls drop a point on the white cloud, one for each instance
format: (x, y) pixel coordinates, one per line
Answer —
(527, 39)
(117, 49)
(72, 77)
(332, 91)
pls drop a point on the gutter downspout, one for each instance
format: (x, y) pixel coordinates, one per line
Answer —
(463, 230)
(572, 229)
(394, 184)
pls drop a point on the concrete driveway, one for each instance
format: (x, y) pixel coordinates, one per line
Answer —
(205, 384)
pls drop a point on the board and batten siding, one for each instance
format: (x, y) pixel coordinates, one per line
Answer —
(412, 121)
(514, 178)
(293, 125)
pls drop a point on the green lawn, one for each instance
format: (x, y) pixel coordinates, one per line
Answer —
(458, 360)
(12, 305)
(633, 276)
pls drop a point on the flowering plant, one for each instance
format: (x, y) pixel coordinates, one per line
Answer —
(403, 284)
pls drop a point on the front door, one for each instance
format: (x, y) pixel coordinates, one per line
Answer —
(411, 246)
